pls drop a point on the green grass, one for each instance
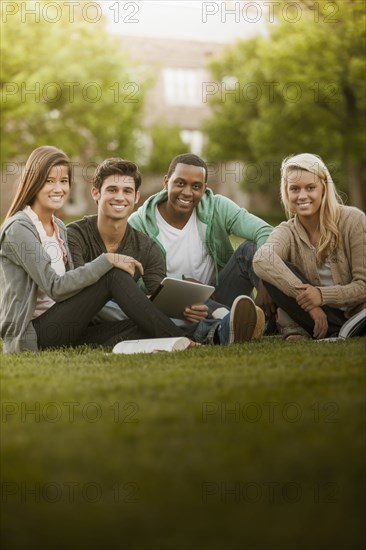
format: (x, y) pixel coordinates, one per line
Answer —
(258, 446)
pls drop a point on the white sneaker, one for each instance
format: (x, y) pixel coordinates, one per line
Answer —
(239, 325)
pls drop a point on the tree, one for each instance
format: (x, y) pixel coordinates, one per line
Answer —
(166, 143)
(65, 82)
(300, 88)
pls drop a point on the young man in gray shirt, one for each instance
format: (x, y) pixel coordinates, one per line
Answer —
(116, 191)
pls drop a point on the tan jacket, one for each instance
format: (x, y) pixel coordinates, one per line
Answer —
(289, 241)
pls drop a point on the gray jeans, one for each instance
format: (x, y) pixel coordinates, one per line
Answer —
(237, 276)
(68, 323)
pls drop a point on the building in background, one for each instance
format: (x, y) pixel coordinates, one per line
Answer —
(170, 46)
(178, 96)
(180, 78)
(176, 57)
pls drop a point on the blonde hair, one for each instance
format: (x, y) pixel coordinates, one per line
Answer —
(329, 209)
(37, 168)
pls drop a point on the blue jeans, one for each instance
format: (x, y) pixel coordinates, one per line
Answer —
(237, 277)
(204, 332)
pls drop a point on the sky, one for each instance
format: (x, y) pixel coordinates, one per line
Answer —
(182, 19)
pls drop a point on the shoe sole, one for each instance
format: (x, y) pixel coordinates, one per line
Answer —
(260, 327)
(243, 320)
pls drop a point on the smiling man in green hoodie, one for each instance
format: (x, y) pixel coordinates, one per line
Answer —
(192, 227)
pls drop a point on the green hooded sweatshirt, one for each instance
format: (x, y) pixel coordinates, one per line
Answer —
(221, 216)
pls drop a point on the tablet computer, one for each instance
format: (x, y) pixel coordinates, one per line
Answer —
(173, 295)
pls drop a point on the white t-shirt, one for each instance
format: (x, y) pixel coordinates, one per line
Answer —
(53, 247)
(325, 274)
(186, 250)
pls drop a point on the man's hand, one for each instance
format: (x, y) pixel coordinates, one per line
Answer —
(308, 297)
(264, 300)
(320, 322)
(126, 263)
(196, 313)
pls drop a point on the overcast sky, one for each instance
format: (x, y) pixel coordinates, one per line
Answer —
(182, 19)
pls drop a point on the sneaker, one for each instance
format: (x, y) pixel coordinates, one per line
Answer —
(240, 324)
(260, 327)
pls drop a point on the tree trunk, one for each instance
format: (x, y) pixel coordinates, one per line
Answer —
(356, 193)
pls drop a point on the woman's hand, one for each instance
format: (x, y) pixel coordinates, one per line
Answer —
(126, 263)
(320, 322)
(308, 297)
(196, 313)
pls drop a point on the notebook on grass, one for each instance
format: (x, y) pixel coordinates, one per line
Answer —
(173, 295)
(355, 326)
(151, 345)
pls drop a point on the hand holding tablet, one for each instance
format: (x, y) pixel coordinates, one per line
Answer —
(174, 295)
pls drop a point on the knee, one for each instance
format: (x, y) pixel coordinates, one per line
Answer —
(246, 251)
(116, 274)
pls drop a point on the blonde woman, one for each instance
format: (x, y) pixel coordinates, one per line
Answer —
(313, 265)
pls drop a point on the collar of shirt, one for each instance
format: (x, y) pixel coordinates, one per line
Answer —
(41, 230)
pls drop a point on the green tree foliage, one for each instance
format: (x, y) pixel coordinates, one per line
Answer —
(66, 82)
(166, 144)
(299, 88)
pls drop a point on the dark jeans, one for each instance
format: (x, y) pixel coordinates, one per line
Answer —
(67, 323)
(335, 316)
(237, 276)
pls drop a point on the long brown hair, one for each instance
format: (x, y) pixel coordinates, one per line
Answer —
(37, 168)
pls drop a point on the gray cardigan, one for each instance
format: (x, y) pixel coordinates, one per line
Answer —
(25, 266)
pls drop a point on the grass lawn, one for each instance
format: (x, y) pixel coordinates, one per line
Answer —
(257, 446)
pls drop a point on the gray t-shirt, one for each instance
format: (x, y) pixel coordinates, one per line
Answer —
(86, 244)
